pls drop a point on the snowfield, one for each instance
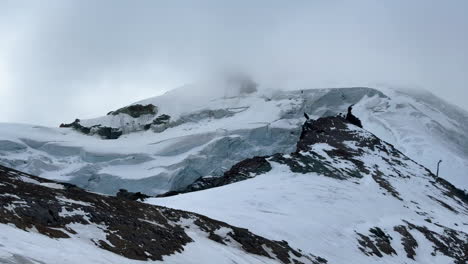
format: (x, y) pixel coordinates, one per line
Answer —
(318, 214)
(18, 246)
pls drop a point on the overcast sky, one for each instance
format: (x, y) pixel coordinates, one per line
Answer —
(65, 59)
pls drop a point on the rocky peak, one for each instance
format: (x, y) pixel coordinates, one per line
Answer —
(334, 147)
(334, 131)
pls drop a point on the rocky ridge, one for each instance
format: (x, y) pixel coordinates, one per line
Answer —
(130, 229)
(333, 147)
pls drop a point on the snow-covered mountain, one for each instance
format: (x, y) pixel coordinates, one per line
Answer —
(167, 142)
(43, 221)
(344, 194)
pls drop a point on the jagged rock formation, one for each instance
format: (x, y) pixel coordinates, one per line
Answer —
(130, 229)
(352, 118)
(136, 110)
(103, 131)
(127, 119)
(124, 194)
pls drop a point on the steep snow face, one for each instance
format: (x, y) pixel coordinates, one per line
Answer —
(212, 126)
(345, 195)
(423, 127)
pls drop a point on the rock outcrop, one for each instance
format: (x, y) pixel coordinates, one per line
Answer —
(102, 131)
(136, 110)
(352, 118)
(134, 116)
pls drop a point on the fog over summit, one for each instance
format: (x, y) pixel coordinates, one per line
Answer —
(59, 59)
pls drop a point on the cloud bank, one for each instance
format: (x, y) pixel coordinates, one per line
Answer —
(65, 59)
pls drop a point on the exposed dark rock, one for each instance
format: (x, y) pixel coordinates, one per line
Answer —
(383, 241)
(107, 132)
(134, 196)
(159, 124)
(352, 118)
(368, 247)
(300, 163)
(77, 126)
(104, 132)
(244, 170)
(407, 240)
(444, 204)
(133, 230)
(451, 191)
(162, 119)
(377, 243)
(136, 110)
(383, 183)
(334, 131)
(451, 243)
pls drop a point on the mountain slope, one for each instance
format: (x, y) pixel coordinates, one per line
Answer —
(344, 194)
(42, 221)
(167, 142)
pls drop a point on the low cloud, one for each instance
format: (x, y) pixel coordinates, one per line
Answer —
(65, 59)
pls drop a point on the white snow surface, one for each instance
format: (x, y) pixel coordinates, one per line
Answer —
(322, 215)
(18, 247)
(264, 122)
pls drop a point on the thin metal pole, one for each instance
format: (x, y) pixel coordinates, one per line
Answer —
(438, 165)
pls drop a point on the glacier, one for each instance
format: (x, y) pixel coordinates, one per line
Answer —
(211, 129)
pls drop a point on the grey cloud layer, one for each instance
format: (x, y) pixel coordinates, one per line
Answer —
(62, 59)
